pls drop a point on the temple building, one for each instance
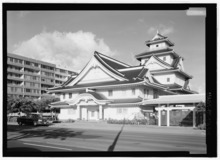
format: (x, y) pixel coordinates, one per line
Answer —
(110, 89)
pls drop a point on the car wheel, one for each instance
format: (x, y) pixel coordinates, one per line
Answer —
(35, 123)
(20, 124)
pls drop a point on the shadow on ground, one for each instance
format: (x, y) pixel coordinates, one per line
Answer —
(112, 146)
(46, 133)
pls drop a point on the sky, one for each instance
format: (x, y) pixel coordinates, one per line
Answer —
(69, 38)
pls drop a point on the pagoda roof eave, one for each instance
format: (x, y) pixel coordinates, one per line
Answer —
(185, 90)
(148, 43)
(171, 70)
(95, 86)
(149, 54)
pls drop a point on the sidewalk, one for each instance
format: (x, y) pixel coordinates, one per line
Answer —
(130, 128)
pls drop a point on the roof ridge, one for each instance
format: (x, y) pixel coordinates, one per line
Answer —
(96, 55)
(112, 59)
(167, 49)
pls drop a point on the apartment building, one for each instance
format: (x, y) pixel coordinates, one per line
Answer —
(28, 77)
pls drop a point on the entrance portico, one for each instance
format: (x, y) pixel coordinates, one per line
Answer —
(87, 106)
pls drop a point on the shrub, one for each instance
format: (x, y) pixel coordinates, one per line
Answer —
(202, 126)
(127, 121)
(68, 121)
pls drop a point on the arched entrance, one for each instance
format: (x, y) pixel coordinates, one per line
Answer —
(89, 107)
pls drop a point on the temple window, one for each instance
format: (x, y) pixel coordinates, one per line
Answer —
(63, 95)
(164, 58)
(110, 93)
(133, 91)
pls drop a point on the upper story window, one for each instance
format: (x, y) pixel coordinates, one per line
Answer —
(155, 94)
(110, 93)
(168, 79)
(164, 58)
(63, 95)
(146, 92)
(70, 95)
(133, 91)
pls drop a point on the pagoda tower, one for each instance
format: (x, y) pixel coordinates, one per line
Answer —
(165, 65)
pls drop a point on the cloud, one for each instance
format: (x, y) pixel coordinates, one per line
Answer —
(163, 29)
(64, 49)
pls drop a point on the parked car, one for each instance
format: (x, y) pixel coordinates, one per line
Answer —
(33, 119)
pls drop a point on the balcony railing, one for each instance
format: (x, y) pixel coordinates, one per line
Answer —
(42, 75)
(15, 78)
(32, 67)
(15, 70)
(32, 87)
(13, 63)
(15, 85)
(51, 83)
(47, 70)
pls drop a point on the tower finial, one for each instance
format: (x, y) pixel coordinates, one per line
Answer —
(157, 31)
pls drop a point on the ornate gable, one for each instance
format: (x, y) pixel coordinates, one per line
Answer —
(97, 71)
(155, 64)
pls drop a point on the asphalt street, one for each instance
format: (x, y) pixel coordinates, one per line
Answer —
(103, 137)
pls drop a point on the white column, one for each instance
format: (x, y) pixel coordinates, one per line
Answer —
(194, 117)
(168, 117)
(159, 116)
(100, 112)
(78, 111)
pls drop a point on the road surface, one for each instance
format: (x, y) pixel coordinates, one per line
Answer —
(104, 137)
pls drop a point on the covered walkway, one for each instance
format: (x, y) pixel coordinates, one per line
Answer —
(166, 104)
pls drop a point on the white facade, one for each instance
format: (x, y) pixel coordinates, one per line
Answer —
(109, 89)
(166, 58)
(158, 46)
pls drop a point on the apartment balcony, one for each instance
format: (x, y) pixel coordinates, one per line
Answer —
(15, 71)
(47, 70)
(15, 85)
(45, 76)
(31, 80)
(15, 64)
(17, 93)
(32, 87)
(62, 74)
(32, 73)
(15, 78)
(50, 83)
(31, 67)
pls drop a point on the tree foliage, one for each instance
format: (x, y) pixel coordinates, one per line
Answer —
(201, 107)
(26, 105)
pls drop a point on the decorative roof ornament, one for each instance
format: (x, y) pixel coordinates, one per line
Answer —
(158, 36)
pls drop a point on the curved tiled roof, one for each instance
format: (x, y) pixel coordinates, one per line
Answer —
(148, 53)
(116, 64)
